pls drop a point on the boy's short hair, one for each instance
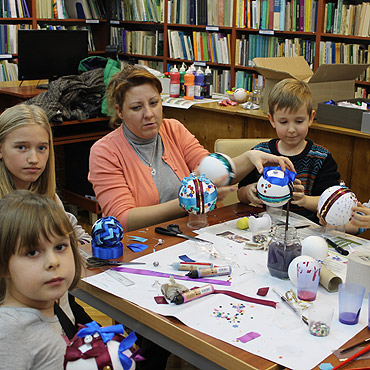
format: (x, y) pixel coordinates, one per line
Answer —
(290, 94)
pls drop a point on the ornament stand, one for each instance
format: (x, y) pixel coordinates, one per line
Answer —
(276, 214)
(332, 231)
(197, 221)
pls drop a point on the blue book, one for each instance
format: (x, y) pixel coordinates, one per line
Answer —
(192, 12)
(282, 15)
(264, 15)
(184, 53)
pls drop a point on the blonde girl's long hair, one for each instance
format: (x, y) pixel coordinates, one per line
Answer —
(18, 116)
(25, 218)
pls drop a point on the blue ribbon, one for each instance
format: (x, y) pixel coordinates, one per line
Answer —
(108, 253)
(289, 176)
(107, 333)
(127, 343)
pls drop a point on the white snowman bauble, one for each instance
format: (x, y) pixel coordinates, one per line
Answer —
(275, 186)
(315, 246)
(335, 205)
(292, 268)
(240, 95)
(217, 165)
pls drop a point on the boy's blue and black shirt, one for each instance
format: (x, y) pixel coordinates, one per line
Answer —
(315, 166)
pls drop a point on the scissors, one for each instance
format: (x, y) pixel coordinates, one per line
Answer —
(98, 262)
(174, 230)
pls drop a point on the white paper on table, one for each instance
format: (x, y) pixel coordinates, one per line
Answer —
(283, 339)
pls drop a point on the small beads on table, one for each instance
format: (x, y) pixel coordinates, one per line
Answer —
(319, 329)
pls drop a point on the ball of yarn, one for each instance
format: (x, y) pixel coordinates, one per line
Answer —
(275, 186)
(197, 194)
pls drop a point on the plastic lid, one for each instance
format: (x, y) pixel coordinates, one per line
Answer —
(182, 68)
(200, 70)
(174, 69)
(208, 70)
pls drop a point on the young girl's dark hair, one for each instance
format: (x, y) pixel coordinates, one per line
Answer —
(25, 218)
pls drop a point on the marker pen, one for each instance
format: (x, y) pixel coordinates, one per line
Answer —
(214, 271)
(193, 294)
(189, 266)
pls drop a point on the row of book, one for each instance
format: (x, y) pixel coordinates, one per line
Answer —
(138, 10)
(14, 9)
(360, 92)
(8, 71)
(201, 12)
(278, 15)
(8, 37)
(70, 9)
(246, 80)
(138, 42)
(200, 46)
(260, 46)
(336, 52)
(347, 19)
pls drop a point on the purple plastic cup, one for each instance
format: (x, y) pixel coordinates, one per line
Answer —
(350, 301)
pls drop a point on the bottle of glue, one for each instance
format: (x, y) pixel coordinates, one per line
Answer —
(189, 85)
(174, 82)
(199, 84)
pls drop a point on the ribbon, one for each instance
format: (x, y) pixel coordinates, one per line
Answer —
(289, 176)
(74, 354)
(107, 253)
(166, 275)
(107, 333)
(127, 343)
(263, 302)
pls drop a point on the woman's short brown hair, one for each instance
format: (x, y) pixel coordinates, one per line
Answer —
(130, 76)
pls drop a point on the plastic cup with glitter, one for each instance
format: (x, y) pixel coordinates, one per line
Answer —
(319, 320)
(350, 301)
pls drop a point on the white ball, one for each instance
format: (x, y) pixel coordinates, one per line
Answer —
(240, 95)
(292, 269)
(335, 205)
(217, 165)
(315, 246)
(272, 194)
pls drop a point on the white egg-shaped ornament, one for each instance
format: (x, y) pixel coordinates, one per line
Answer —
(315, 246)
(96, 347)
(197, 194)
(336, 205)
(292, 268)
(275, 186)
(217, 165)
(240, 95)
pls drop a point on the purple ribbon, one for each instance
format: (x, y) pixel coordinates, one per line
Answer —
(166, 275)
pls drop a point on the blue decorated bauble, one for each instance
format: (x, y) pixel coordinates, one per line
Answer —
(197, 194)
(275, 186)
(106, 235)
(217, 165)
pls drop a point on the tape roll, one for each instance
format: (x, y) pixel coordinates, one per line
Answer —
(358, 269)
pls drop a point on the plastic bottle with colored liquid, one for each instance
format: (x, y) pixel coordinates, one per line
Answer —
(189, 85)
(208, 81)
(199, 84)
(182, 79)
(174, 83)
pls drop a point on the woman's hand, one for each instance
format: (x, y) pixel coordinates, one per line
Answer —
(261, 159)
(222, 191)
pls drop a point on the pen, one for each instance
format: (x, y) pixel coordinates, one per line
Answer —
(354, 346)
(304, 318)
(339, 249)
(350, 359)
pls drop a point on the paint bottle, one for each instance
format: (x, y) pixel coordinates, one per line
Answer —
(214, 271)
(199, 84)
(174, 83)
(208, 80)
(193, 294)
(189, 85)
(182, 79)
(189, 266)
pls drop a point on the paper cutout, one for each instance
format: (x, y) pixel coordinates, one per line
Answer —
(138, 238)
(160, 299)
(137, 247)
(263, 291)
(326, 366)
(185, 258)
(249, 336)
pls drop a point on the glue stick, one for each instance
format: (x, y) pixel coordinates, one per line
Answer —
(193, 294)
(214, 271)
(189, 266)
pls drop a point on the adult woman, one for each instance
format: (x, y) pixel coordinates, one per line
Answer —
(137, 169)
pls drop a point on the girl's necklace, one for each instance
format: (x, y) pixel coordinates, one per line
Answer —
(149, 163)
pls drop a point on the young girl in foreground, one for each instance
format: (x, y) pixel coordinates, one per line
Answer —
(39, 262)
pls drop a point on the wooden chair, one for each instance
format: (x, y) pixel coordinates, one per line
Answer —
(233, 148)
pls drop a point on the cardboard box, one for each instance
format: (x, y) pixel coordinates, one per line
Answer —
(356, 119)
(330, 81)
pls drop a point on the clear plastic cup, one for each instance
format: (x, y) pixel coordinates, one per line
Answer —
(350, 301)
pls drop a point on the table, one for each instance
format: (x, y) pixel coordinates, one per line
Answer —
(197, 348)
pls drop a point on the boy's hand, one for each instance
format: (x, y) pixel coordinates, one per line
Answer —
(261, 159)
(299, 197)
(248, 194)
(359, 220)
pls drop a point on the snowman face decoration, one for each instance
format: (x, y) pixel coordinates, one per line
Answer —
(336, 205)
(275, 186)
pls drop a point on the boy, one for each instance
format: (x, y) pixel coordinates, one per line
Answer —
(291, 114)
